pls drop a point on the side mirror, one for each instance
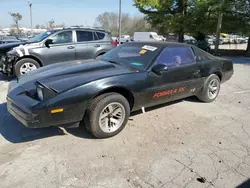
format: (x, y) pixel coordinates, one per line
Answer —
(48, 42)
(159, 68)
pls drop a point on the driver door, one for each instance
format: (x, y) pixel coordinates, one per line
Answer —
(181, 78)
(62, 49)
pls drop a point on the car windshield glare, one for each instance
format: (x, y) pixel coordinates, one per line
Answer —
(9, 38)
(133, 56)
(40, 37)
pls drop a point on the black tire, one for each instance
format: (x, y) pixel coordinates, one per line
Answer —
(203, 95)
(91, 118)
(21, 62)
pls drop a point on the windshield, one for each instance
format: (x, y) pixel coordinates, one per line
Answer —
(40, 37)
(9, 38)
(21, 36)
(133, 55)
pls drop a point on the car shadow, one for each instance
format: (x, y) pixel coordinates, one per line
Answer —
(81, 132)
(15, 132)
(193, 99)
(189, 99)
(6, 78)
(245, 184)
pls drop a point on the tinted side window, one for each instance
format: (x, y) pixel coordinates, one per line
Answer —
(176, 56)
(201, 55)
(95, 36)
(83, 36)
(100, 35)
(62, 38)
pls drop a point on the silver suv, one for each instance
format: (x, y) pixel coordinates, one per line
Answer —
(56, 46)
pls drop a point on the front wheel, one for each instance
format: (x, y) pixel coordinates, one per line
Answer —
(210, 89)
(107, 115)
(25, 65)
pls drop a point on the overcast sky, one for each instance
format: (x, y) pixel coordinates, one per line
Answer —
(70, 12)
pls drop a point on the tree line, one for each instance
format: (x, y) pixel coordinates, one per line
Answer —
(110, 22)
(197, 16)
(17, 17)
(194, 17)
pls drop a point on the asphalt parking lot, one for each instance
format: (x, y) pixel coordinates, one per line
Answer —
(183, 144)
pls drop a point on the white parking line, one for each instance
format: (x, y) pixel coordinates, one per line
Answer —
(237, 92)
(240, 92)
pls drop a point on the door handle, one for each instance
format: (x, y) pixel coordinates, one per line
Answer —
(70, 47)
(97, 45)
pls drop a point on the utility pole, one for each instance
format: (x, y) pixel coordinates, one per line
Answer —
(30, 5)
(220, 17)
(120, 20)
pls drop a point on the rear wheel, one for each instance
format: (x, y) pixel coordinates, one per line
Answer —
(210, 89)
(107, 115)
(25, 65)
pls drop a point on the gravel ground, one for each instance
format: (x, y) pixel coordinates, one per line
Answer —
(183, 144)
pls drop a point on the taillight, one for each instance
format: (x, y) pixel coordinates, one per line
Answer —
(114, 43)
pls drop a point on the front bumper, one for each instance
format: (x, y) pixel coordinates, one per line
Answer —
(32, 113)
(23, 115)
(43, 118)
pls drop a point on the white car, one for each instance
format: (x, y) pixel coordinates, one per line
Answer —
(125, 38)
(246, 39)
(115, 39)
(146, 36)
(189, 39)
(212, 40)
(162, 37)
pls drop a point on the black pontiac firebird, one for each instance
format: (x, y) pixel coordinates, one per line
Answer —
(102, 93)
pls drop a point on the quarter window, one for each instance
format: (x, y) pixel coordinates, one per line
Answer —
(83, 36)
(100, 35)
(177, 56)
(201, 55)
(95, 36)
(62, 38)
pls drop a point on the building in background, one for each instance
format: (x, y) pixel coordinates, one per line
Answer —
(23, 30)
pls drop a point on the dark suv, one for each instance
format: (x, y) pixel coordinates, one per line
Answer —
(56, 46)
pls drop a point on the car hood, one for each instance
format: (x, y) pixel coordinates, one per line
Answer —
(22, 46)
(64, 76)
(23, 38)
(6, 47)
